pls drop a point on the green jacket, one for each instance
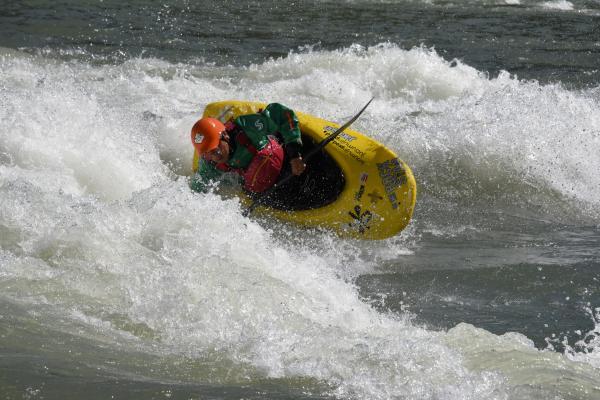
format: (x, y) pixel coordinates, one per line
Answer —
(257, 127)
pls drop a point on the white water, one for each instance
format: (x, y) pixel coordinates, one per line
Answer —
(97, 224)
(558, 5)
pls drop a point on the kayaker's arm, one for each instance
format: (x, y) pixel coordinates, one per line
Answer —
(207, 172)
(289, 128)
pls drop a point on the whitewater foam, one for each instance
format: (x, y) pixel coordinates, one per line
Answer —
(558, 5)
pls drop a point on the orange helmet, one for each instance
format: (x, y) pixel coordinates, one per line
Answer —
(206, 134)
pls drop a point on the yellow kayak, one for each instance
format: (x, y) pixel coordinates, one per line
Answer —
(356, 186)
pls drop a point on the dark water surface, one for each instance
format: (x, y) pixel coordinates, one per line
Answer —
(527, 39)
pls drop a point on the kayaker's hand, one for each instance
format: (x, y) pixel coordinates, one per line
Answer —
(298, 166)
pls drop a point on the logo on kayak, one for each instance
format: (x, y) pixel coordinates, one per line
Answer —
(198, 138)
(363, 181)
(328, 130)
(358, 195)
(392, 175)
(374, 196)
(259, 125)
(361, 220)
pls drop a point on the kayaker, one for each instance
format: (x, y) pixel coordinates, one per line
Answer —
(254, 146)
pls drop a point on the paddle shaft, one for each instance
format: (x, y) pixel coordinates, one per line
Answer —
(265, 195)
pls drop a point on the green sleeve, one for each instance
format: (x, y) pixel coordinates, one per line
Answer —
(287, 122)
(206, 173)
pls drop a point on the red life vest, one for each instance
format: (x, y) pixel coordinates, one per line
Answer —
(265, 167)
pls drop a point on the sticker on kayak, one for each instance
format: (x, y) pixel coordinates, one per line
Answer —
(361, 219)
(363, 181)
(345, 145)
(328, 130)
(358, 195)
(374, 196)
(392, 175)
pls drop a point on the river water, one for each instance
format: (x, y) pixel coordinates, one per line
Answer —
(117, 281)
